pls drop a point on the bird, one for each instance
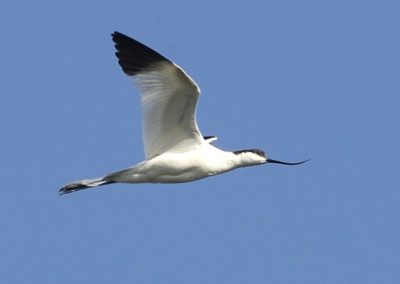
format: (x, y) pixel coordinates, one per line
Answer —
(175, 150)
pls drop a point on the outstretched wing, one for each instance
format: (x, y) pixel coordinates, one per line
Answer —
(168, 97)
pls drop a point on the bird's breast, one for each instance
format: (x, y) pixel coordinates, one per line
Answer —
(189, 166)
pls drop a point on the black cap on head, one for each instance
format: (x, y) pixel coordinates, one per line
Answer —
(255, 151)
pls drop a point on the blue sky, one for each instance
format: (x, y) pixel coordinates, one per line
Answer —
(299, 79)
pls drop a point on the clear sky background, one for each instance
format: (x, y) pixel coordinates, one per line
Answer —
(299, 79)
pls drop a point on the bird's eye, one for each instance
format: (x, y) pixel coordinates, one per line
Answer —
(260, 153)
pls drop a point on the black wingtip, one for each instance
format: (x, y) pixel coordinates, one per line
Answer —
(133, 56)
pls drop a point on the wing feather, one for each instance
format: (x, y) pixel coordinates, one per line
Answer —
(168, 96)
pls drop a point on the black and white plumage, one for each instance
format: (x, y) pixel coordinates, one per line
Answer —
(175, 149)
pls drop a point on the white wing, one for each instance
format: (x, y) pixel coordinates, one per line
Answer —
(168, 97)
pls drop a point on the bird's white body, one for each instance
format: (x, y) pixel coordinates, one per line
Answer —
(174, 147)
(172, 167)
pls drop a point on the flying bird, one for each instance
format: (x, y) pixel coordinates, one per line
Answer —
(174, 147)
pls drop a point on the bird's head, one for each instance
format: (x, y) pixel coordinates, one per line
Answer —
(253, 157)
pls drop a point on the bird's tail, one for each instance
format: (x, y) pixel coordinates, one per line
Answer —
(83, 184)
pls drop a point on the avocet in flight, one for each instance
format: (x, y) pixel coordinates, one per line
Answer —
(175, 149)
